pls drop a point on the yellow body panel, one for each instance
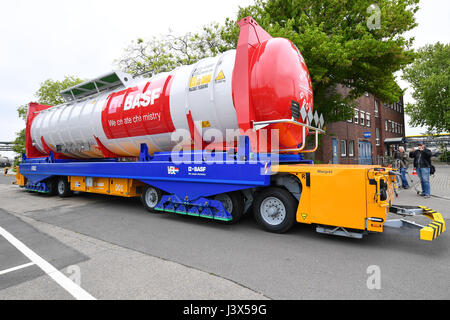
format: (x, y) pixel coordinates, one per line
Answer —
(98, 185)
(112, 186)
(77, 183)
(20, 179)
(340, 195)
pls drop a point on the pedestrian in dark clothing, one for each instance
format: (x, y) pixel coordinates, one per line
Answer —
(422, 163)
(401, 163)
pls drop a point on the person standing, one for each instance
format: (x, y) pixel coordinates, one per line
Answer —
(401, 159)
(422, 163)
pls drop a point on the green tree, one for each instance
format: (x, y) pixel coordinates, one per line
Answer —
(351, 43)
(49, 90)
(429, 76)
(168, 51)
(48, 94)
(342, 45)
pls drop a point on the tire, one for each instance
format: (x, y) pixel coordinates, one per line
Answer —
(234, 201)
(150, 197)
(275, 209)
(52, 187)
(63, 188)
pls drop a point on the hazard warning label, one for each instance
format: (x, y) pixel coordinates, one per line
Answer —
(220, 77)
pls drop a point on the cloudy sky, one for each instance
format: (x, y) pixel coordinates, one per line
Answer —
(50, 39)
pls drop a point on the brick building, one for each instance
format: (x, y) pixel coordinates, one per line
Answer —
(375, 130)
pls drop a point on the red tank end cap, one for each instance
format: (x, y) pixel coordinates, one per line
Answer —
(33, 110)
(279, 76)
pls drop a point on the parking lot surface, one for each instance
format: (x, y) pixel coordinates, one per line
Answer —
(114, 249)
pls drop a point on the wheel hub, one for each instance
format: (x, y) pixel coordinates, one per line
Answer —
(226, 202)
(151, 198)
(61, 187)
(273, 211)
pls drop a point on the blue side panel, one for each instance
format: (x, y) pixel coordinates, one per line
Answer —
(36, 179)
(186, 175)
(202, 207)
(193, 190)
(294, 158)
(38, 187)
(184, 180)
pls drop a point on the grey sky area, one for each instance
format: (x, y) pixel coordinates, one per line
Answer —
(51, 39)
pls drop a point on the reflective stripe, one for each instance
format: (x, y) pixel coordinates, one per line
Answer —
(439, 225)
(435, 229)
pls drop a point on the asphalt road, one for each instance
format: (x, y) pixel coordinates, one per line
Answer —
(127, 253)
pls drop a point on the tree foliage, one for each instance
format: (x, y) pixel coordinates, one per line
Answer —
(339, 47)
(19, 142)
(168, 51)
(49, 90)
(48, 93)
(429, 77)
(333, 36)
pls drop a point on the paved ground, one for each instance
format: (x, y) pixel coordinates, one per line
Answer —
(123, 252)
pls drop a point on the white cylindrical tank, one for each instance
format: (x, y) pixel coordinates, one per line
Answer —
(271, 82)
(146, 113)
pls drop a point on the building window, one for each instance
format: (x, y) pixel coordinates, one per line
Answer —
(350, 120)
(386, 127)
(351, 148)
(392, 126)
(356, 117)
(377, 136)
(362, 117)
(376, 108)
(343, 148)
(368, 119)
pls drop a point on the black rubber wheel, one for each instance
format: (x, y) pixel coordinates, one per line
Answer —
(275, 210)
(52, 187)
(63, 188)
(150, 197)
(235, 201)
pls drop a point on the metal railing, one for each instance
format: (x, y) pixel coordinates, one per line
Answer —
(261, 124)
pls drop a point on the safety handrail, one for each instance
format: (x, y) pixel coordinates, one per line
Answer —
(257, 125)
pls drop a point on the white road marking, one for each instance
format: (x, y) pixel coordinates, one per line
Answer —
(16, 268)
(76, 291)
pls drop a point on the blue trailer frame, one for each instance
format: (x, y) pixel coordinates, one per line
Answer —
(188, 184)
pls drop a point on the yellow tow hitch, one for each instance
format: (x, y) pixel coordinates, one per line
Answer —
(428, 232)
(433, 229)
